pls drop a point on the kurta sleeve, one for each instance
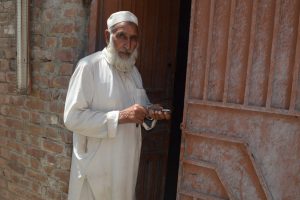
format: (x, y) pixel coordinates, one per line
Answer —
(78, 116)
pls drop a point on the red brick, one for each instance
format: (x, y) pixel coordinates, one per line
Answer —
(51, 42)
(48, 169)
(12, 88)
(15, 124)
(48, 67)
(67, 136)
(52, 194)
(8, 133)
(53, 133)
(41, 81)
(3, 88)
(36, 176)
(63, 96)
(35, 164)
(36, 28)
(11, 77)
(16, 167)
(48, 14)
(69, 42)
(33, 196)
(4, 99)
(71, 12)
(36, 153)
(4, 153)
(36, 188)
(45, 94)
(10, 111)
(64, 163)
(60, 82)
(3, 183)
(62, 175)
(36, 118)
(51, 159)
(56, 107)
(63, 28)
(52, 146)
(37, 3)
(43, 55)
(15, 189)
(7, 43)
(66, 55)
(24, 114)
(35, 130)
(66, 69)
(4, 195)
(35, 104)
(3, 142)
(10, 53)
(16, 100)
(4, 64)
(18, 147)
(37, 40)
(3, 162)
(2, 77)
(34, 141)
(8, 6)
(55, 94)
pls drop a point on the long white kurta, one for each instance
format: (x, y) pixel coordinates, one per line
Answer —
(105, 154)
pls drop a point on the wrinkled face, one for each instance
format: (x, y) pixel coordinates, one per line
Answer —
(125, 38)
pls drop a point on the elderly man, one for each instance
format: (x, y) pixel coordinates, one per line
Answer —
(104, 108)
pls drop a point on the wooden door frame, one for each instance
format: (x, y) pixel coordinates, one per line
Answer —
(96, 41)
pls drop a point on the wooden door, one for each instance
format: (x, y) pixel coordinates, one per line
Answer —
(241, 127)
(158, 23)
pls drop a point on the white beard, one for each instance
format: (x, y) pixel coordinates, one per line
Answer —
(121, 64)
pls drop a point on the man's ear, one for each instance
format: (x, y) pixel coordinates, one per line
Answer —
(107, 34)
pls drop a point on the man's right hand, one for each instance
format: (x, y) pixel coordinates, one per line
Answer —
(133, 114)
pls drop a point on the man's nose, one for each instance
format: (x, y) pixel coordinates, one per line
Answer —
(128, 45)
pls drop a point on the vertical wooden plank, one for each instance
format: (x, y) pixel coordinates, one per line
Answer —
(239, 51)
(226, 78)
(251, 49)
(126, 5)
(273, 51)
(285, 54)
(199, 51)
(295, 71)
(208, 51)
(258, 83)
(95, 20)
(218, 50)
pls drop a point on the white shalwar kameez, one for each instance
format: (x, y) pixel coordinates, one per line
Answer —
(105, 154)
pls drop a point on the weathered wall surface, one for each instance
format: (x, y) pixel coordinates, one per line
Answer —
(35, 148)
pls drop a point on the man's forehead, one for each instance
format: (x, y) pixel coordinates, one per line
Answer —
(126, 27)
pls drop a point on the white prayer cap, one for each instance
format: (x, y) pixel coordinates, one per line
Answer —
(121, 16)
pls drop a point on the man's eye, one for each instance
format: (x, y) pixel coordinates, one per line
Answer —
(121, 35)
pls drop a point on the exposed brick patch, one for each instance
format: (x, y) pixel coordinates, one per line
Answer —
(35, 148)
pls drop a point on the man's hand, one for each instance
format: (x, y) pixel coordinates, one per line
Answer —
(157, 112)
(133, 114)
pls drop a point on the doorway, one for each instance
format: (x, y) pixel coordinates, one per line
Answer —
(164, 30)
(178, 100)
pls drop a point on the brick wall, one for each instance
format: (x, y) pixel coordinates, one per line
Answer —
(35, 148)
